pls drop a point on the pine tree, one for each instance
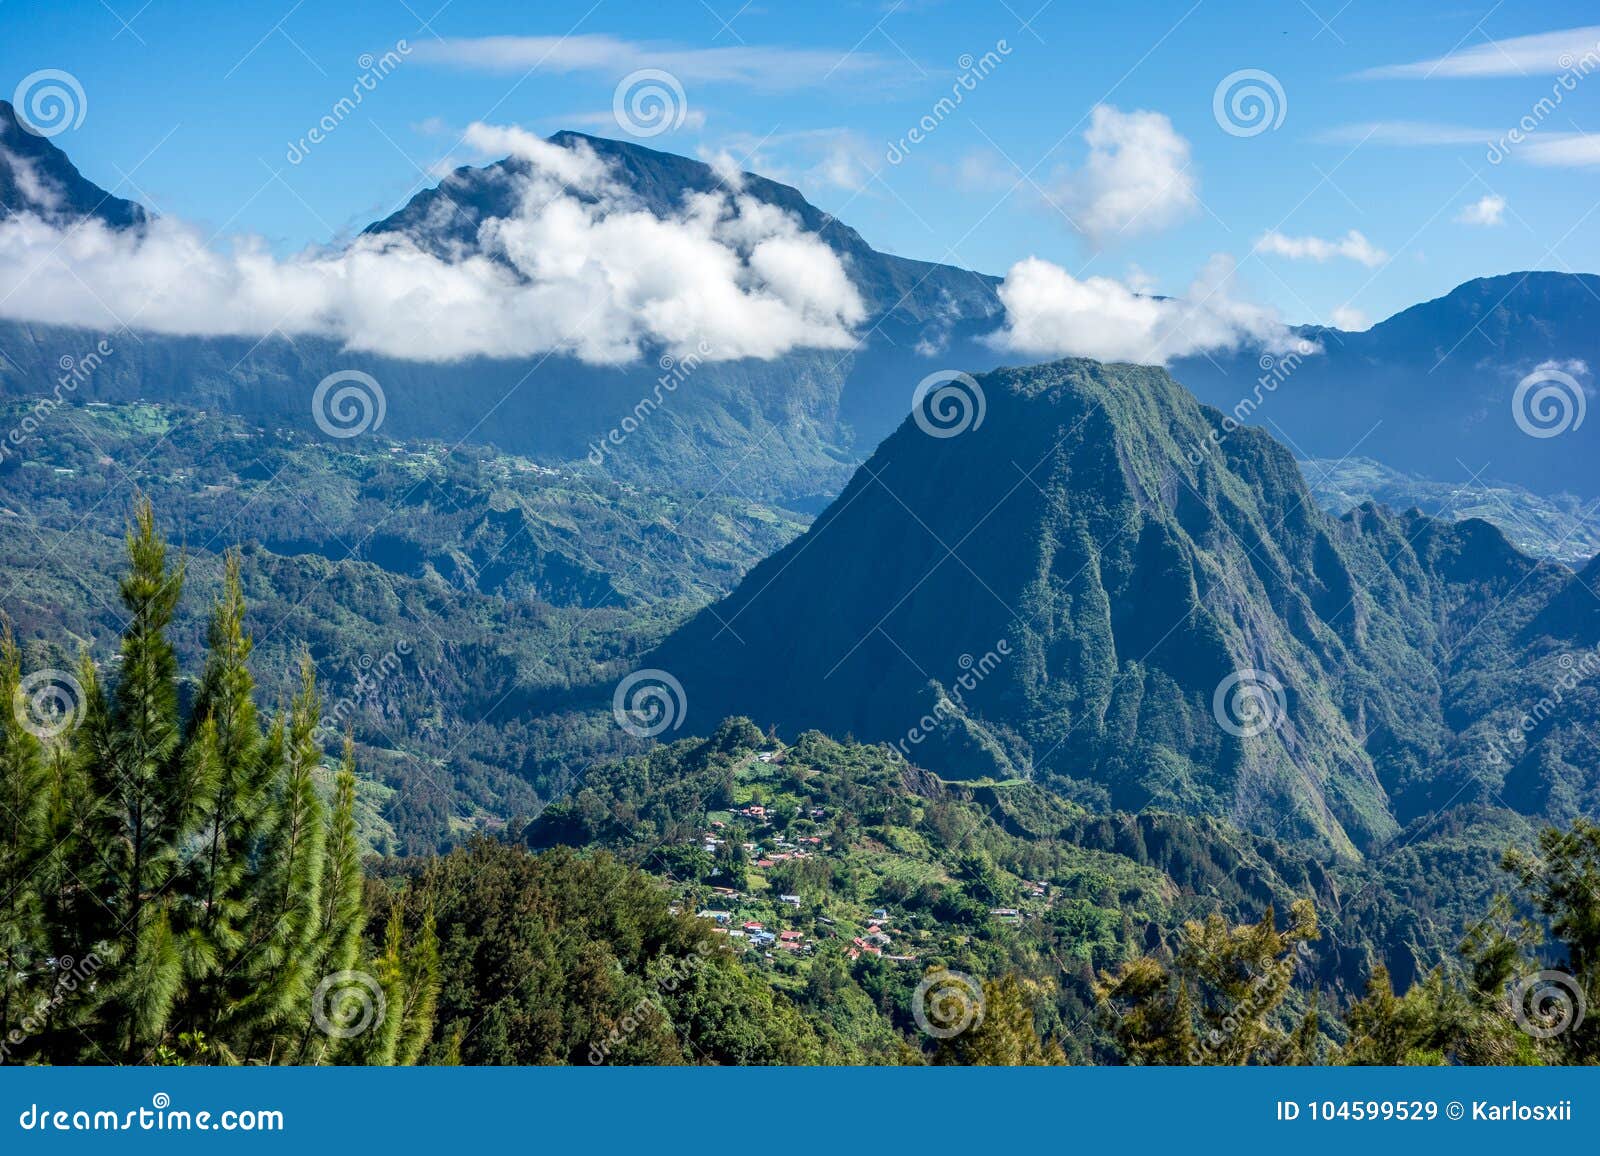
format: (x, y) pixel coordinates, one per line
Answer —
(221, 876)
(193, 858)
(1219, 1002)
(142, 796)
(337, 945)
(407, 974)
(289, 892)
(1005, 1035)
(24, 815)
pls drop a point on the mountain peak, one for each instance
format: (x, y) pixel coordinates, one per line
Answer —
(658, 180)
(36, 177)
(1083, 544)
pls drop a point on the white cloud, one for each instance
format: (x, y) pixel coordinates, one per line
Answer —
(579, 269)
(846, 162)
(1352, 246)
(1050, 313)
(1525, 141)
(1350, 319)
(1542, 54)
(753, 66)
(1490, 209)
(1561, 150)
(41, 195)
(1137, 178)
(810, 158)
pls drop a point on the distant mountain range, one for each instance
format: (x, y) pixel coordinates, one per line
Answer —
(1432, 390)
(1428, 392)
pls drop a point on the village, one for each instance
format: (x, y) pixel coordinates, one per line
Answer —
(789, 925)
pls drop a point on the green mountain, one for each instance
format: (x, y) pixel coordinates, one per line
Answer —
(1086, 588)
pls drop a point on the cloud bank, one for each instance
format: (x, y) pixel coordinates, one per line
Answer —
(1050, 313)
(579, 269)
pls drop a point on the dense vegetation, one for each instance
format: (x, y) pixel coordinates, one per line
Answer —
(184, 883)
(449, 599)
(177, 887)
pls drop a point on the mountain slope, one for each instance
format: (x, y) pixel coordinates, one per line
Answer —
(1061, 592)
(1448, 368)
(36, 177)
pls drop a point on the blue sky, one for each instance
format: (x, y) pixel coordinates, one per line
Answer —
(193, 111)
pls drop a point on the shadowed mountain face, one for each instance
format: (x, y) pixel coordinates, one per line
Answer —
(36, 177)
(1061, 592)
(1432, 390)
